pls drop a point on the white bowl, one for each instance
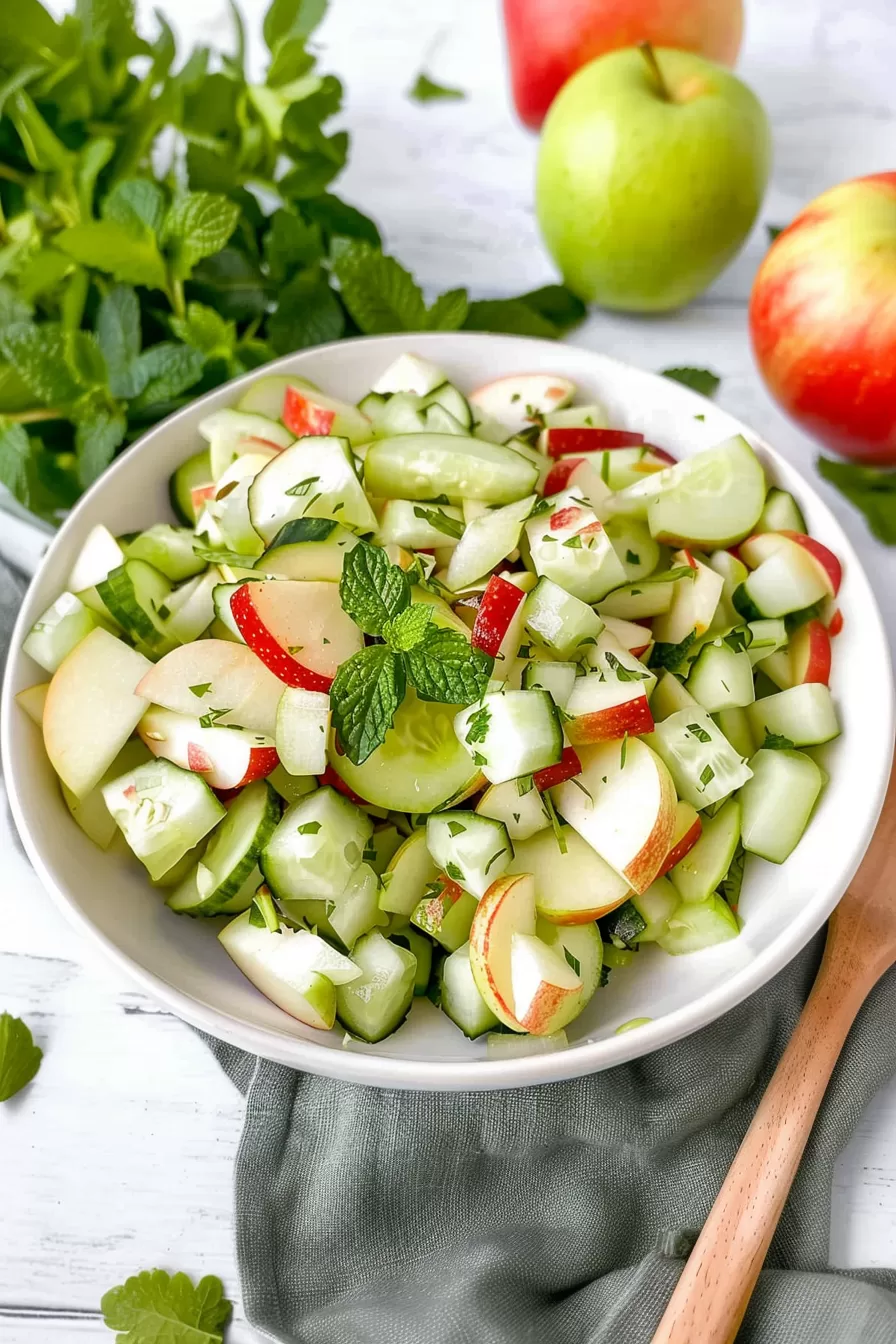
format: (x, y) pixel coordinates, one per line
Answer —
(180, 962)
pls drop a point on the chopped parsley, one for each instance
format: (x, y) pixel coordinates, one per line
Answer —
(201, 688)
(525, 784)
(310, 828)
(777, 742)
(700, 733)
(455, 872)
(573, 962)
(623, 750)
(208, 720)
(632, 558)
(496, 855)
(477, 725)
(303, 487)
(707, 776)
(456, 828)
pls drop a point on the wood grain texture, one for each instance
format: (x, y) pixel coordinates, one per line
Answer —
(119, 1157)
(721, 1272)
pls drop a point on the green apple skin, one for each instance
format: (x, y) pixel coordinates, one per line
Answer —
(642, 200)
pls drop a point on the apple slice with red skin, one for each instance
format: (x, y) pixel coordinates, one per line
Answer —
(499, 604)
(626, 810)
(546, 990)
(687, 831)
(508, 907)
(517, 400)
(282, 618)
(810, 654)
(832, 617)
(757, 548)
(309, 414)
(225, 757)
(601, 710)
(825, 557)
(560, 442)
(580, 475)
(200, 496)
(662, 453)
(218, 678)
(567, 767)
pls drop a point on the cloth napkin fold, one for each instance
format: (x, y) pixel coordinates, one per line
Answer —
(559, 1214)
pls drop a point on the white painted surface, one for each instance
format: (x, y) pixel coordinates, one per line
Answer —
(119, 1158)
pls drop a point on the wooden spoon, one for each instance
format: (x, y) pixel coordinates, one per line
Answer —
(715, 1287)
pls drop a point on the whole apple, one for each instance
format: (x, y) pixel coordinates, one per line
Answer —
(548, 40)
(651, 171)
(823, 319)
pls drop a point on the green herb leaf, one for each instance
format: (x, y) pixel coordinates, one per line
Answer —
(442, 522)
(19, 1057)
(379, 293)
(118, 333)
(201, 688)
(166, 371)
(444, 668)
(307, 313)
(153, 1307)
(510, 315)
(573, 962)
(287, 19)
(309, 828)
(777, 742)
(703, 381)
(773, 230)
(372, 590)
(365, 694)
(426, 90)
(136, 203)
(621, 672)
(700, 733)
(99, 432)
(622, 750)
(738, 639)
(870, 489)
(456, 828)
(38, 355)
(15, 457)
(477, 725)
(128, 252)
(449, 312)
(671, 656)
(197, 225)
(558, 305)
(337, 219)
(455, 872)
(205, 330)
(707, 775)
(409, 627)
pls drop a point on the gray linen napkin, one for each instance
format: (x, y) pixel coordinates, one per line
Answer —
(547, 1215)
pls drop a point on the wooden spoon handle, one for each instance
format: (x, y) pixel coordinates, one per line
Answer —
(709, 1302)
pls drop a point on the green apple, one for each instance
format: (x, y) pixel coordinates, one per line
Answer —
(651, 171)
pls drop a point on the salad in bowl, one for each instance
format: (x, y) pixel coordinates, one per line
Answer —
(455, 694)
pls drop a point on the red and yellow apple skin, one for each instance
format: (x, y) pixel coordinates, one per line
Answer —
(823, 319)
(548, 40)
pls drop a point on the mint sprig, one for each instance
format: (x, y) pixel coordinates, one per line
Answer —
(369, 687)
(19, 1057)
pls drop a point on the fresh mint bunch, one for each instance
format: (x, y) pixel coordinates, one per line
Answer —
(369, 687)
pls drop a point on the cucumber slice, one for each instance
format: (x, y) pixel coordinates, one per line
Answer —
(316, 847)
(669, 695)
(638, 553)
(307, 548)
(557, 679)
(778, 801)
(446, 914)
(511, 733)
(524, 815)
(234, 849)
(409, 373)
(96, 560)
(781, 513)
(487, 541)
(421, 947)
(721, 677)
(558, 621)
(409, 872)
(471, 848)
(448, 398)
(786, 581)
(221, 595)
(187, 485)
(162, 811)
(356, 910)
(694, 926)
(303, 727)
(656, 906)
(705, 865)
(191, 608)
(187, 865)
(265, 396)
(58, 630)
(711, 500)
(420, 767)
(90, 812)
(735, 724)
(168, 549)
(733, 573)
(291, 787)
(187, 899)
(805, 714)
(283, 966)
(767, 637)
(701, 760)
(376, 1004)
(460, 999)
(398, 414)
(415, 526)
(423, 466)
(581, 948)
(315, 478)
(137, 595)
(638, 601)
(616, 663)
(384, 845)
(571, 547)
(231, 433)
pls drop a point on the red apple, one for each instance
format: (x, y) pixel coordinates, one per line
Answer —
(810, 654)
(575, 886)
(217, 678)
(297, 628)
(309, 413)
(636, 638)
(685, 835)
(600, 710)
(823, 319)
(548, 40)
(500, 603)
(559, 442)
(567, 767)
(227, 757)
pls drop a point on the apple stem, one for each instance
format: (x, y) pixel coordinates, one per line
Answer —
(647, 51)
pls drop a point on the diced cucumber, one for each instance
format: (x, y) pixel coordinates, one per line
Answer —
(446, 913)
(90, 812)
(775, 669)
(460, 999)
(191, 607)
(639, 601)
(701, 870)
(473, 849)
(376, 1004)
(557, 679)
(701, 760)
(58, 630)
(355, 910)
(234, 849)
(778, 801)
(511, 733)
(422, 948)
(401, 413)
(316, 847)
(162, 811)
(487, 541)
(721, 677)
(656, 906)
(570, 546)
(669, 695)
(733, 573)
(383, 845)
(768, 637)
(315, 478)
(423, 466)
(409, 872)
(712, 500)
(303, 728)
(447, 396)
(194, 475)
(265, 395)
(137, 595)
(231, 433)
(638, 553)
(187, 899)
(623, 926)
(559, 621)
(188, 865)
(696, 925)
(780, 513)
(168, 549)
(410, 373)
(735, 724)
(416, 526)
(294, 969)
(96, 560)
(805, 714)
(616, 663)
(291, 787)
(307, 548)
(787, 580)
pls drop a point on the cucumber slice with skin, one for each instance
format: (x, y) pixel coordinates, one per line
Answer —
(733, 573)
(137, 595)
(194, 475)
(557, 679)
(804, 714)
(265, 396)
(291, 787)
(91, 812)
(639, 601)
(701, 760)
(780, 513)
(191, 608)
(446, 914)
(221, 595)
(424, 466)
(416, 526)
(460, 999)
(558, 621)
(186, 898)
(409, 872)
(767, 637)
(721, 678)
(235, 847)
(231, 433)
(697, 925)
(701, 870)
(511, 733)
(356, 911)
(638, 553)
(315, 478)
(168, 549)
(376, 1004)
(307, 548)
(316, 847)
(58, 630)
(421, 947)
(162, 811)
(384, 845)
(778, 801)
(711, 500)
(473, 849)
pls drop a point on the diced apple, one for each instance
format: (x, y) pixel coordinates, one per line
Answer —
(410, 373)
(557, 441)
(546, 990)
(685, 835)
(297, 628)
(217, 679)
(226, 757)
(307, 413)
(500, 603)
(693, 604)
(33, 699)
(92, 708)
(231, 433)
(810, 654)
(297, 970)
(759, 547)
(508, 907)
(580, 475)
(636, 638)
(518, 400)
(600, 710)
(572, 886)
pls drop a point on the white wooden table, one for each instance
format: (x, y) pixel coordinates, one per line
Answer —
(119, 1157)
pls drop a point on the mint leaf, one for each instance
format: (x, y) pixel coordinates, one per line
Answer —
(158, 1308)
(205, 330)
(776, 742)
(137, 203)
(38, 355)
(307, 313)
(232, 284)
(409, 627)
(773, 230)
(365, 694)
(292, 18)
(166, 371)
(445, 668)
(338, 219)
(291, 244)
(703, 381)
(870, 489)
(85, 359)
(671, 656)
(118, 333)
(15, 453)
(19, 1057)
(98, 433)
(510, 315)
(316, 169)
(372, 590)
(426, 90)
(442, 522)
(379, 293)
(197, 225)
(557, 305)
(129, 253)
(449, 312)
